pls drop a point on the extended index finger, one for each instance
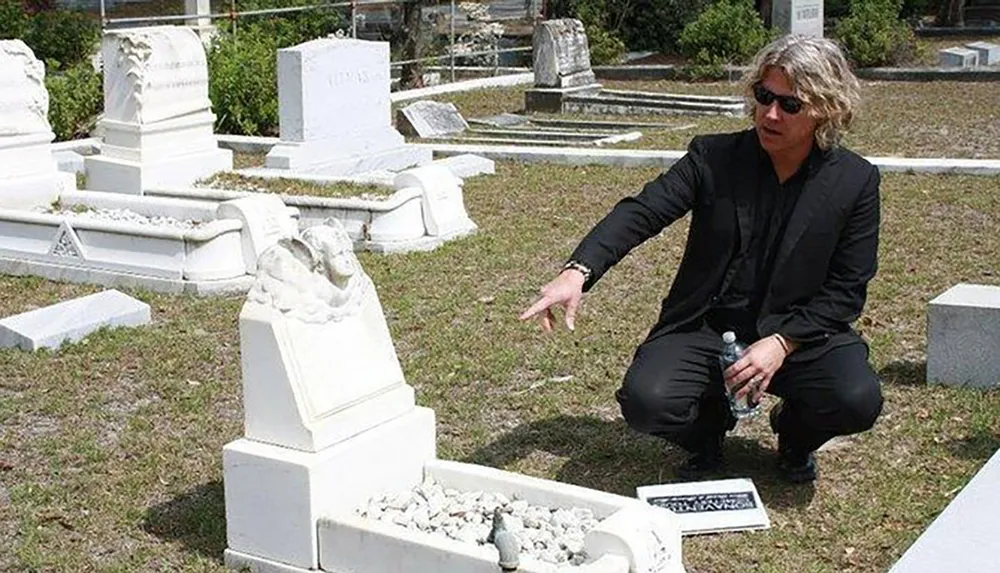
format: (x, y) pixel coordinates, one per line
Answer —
(533, 310)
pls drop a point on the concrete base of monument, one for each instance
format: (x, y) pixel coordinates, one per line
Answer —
(161, 244)
(320, 158)
(629, 535)
(133, 177)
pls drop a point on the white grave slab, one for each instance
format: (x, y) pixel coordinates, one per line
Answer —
(158, 120)
(72, 320)
(442, 202)
(958, 58)
(29, 176)
(427, 118)
(989, 53)
(963, 337)
(561, 55)
(468, 165)
(803, 17)
(963, 538)
(334, 110)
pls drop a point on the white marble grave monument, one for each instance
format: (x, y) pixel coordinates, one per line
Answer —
(158, 119)
(803, 17)
(28, 173)
(331, 424)
(334, 110)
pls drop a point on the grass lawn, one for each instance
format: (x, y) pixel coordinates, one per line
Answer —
(110, 449)
(909, 119)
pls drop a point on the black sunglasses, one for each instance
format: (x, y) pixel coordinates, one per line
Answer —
(765, 97)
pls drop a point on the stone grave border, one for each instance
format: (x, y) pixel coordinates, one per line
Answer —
(671, 72)
(654, 157)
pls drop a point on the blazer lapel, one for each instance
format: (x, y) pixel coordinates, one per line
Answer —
(815, 193)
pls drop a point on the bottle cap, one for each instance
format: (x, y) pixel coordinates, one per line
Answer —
(729, 337)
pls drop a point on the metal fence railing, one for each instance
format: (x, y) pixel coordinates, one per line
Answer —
(200, 13)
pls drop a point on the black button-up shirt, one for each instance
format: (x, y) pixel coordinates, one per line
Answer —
(738, 304)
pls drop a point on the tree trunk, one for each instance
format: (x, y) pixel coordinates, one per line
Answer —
(951, 13)
(764, 8)
(411, 75)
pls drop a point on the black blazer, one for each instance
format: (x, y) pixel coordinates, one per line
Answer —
(824, 261)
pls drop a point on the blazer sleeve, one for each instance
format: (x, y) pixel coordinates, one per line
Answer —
(842, 296)
(635, 219)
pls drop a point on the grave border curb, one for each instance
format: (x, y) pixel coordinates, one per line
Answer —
(671, 72)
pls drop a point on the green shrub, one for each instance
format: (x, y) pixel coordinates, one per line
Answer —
(62, 38)
(873, 35)
(75, 100)
(243, 82)
(13, 20)
(605, 47)
(727, 32)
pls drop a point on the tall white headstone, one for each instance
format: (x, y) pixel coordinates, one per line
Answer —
(157, 116)
(329, 417)
(334, 110)
(28, 173)
(803, 17)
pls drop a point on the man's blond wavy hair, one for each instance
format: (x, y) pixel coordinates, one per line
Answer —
(820, 77)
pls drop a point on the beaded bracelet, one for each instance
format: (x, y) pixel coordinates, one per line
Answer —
(578, 266)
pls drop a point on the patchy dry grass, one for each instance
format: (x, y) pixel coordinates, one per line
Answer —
(110, 449)
(281, 185)
(910, 119)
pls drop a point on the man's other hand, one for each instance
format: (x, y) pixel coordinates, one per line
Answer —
(565, 290)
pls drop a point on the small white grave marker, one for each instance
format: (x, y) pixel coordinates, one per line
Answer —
(72, 320)
(442, 202)
(710, 506)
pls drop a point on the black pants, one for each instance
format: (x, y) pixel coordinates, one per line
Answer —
(674, 390)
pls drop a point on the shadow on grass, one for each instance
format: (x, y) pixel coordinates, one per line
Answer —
(609, 456)
(979, 446)
(904, 373)
(196, 519)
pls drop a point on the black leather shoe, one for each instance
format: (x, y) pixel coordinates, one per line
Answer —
(796, 467)
(703, 461)
(793, 466)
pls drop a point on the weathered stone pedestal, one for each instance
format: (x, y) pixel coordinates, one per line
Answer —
(561, 62)
(157, 121)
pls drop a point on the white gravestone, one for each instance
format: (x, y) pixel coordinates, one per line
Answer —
(430, 119)
(441, 200)
(329, 417)
(958, 58)
(989, 53)
(561, 55)
(29, 176)
(803, 17)
(334, 110)
(158, 119)
(265, 222)
(963, 337)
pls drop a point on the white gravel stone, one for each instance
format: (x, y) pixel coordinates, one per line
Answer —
(123, 216)
(551, 535)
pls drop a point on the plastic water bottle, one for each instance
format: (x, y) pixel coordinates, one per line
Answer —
(732, 350)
